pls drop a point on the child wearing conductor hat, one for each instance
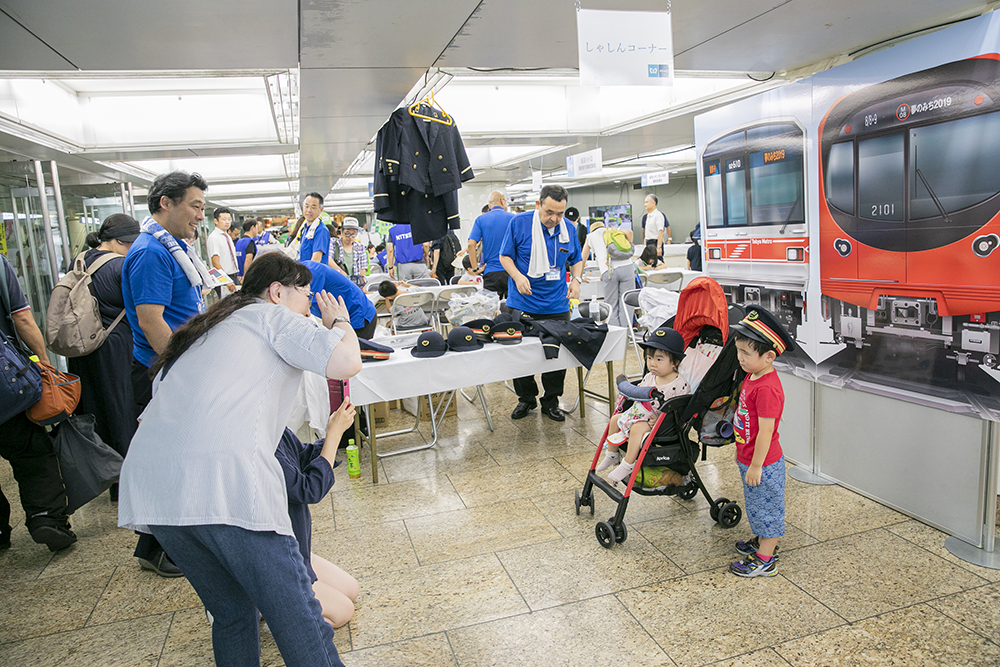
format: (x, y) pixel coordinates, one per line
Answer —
(760, 338)
(664, 351)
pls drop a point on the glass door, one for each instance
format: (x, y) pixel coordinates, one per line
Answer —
(30, 251)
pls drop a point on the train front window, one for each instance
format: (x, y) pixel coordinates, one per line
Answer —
(776, 187)
(736, 191)
(840, 176)
(880, 178)
(713, 194)
(954, 165)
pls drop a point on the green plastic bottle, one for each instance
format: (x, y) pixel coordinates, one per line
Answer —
(353, 460)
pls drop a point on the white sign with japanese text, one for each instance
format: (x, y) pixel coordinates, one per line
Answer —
(657, 178)
(584, 164)
(625, 48)
(536, 179)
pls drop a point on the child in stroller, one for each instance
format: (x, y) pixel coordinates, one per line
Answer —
(664, 352)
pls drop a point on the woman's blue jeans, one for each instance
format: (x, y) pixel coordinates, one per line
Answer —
(237, 572)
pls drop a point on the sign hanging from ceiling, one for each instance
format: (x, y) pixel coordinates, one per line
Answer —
(625, 48)
(657, 178)
(584, 164)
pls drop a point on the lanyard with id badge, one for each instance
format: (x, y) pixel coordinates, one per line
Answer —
(554, 272)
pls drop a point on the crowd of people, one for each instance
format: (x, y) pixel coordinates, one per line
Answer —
(221, 499)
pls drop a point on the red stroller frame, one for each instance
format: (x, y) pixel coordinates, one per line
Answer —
(668, 445)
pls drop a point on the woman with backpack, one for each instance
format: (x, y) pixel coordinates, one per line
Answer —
(106, 387)
(612, 249)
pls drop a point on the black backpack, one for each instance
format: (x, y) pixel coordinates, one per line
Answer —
(449, 249)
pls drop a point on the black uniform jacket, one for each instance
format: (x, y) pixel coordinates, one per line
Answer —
(582, 337)
(419, 166)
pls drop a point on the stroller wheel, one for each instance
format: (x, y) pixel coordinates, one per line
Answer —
(582, 501)
(690, 491)
(621, 535)
(605, 534)
(576, 500)
(730, 515)
(717, 507)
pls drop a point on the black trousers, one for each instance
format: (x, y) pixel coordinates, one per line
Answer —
(142, 388)
(496, 281)
(28, 448)
(368, 330)
(552, 382)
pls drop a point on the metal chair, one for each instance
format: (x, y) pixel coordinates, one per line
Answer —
(671, 280)
(630, 301)
(444, 296)
(599, 312)
(455, 279)
(424, 282)
(418, 299)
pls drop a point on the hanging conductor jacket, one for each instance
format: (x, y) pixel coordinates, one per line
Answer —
(420, 163)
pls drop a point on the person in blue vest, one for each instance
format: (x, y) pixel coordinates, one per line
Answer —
(490, 228)
(540, 246)
(313, 236)
(404, 260)
(246, 247)
(325, 277)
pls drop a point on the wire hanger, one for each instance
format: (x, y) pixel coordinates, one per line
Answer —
(429, 101)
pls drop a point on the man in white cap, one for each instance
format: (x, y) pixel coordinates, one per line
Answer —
(347, 255)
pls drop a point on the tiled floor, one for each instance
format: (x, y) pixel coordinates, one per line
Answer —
(471, 554)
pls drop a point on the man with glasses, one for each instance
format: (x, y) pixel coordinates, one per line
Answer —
(347, 255)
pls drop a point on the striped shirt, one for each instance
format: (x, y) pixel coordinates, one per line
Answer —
(192, 464)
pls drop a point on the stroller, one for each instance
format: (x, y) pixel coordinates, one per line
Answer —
(686, 424)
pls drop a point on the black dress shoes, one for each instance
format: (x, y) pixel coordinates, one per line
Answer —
(56, 538)
(161, 564)
(554, 413)
(522, 410)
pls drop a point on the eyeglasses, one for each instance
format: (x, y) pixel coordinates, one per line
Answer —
(306, 293)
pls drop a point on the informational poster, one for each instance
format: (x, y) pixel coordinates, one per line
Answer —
(625, 48)
(862, 206)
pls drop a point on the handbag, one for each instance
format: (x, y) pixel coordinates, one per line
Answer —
(60, 396)
(88, 465)
(20, 378)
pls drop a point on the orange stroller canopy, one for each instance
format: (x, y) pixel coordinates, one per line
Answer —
(702, 303)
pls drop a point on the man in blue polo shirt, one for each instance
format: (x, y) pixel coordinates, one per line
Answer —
(491, 228)
(314, 237)
(361, 309)
(159, 298)
(404, 260)
(537, 284)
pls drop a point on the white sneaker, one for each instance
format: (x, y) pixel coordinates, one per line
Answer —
(621, 473)
(610, 459)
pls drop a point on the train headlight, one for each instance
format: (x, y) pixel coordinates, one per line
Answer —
(984, 245)
(795, 254)
(715, 253)
(843, 247)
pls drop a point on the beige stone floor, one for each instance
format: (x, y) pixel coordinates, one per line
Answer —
(471, 554)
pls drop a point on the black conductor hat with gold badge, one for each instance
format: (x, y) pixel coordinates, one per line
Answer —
(760, 324)
(482, 328)
(665, 338)
(430, 344)
(373, 351)
(462, 339)
(508, 332)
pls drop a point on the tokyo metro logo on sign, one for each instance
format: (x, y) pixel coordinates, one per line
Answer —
(903, 112)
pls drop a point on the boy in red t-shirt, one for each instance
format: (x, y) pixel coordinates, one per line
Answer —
(760, 338)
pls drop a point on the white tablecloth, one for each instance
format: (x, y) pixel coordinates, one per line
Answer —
(405, 376)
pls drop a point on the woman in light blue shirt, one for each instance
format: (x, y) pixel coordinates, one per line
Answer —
(207, 485)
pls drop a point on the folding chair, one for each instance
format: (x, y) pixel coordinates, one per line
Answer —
(419, 299)
(630, 301)
(455, 279)
(424, 282)
(599, 312)
(671, 280)
(443, 297)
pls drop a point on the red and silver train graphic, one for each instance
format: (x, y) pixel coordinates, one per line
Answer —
(756, 239)
(909, 191)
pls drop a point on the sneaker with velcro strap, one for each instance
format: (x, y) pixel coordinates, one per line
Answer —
(752, 546)
(753, 566)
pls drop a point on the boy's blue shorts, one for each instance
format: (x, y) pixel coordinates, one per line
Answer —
(766, 502)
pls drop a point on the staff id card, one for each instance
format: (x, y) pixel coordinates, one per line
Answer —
(553, 273)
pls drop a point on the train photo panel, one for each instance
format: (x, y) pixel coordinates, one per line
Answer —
(862, 206)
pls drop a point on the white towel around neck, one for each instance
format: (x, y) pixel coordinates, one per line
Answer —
(538, 263)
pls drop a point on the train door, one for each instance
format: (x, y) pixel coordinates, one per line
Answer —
(881, 210)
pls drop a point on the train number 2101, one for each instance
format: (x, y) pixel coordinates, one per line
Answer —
(879, 210)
